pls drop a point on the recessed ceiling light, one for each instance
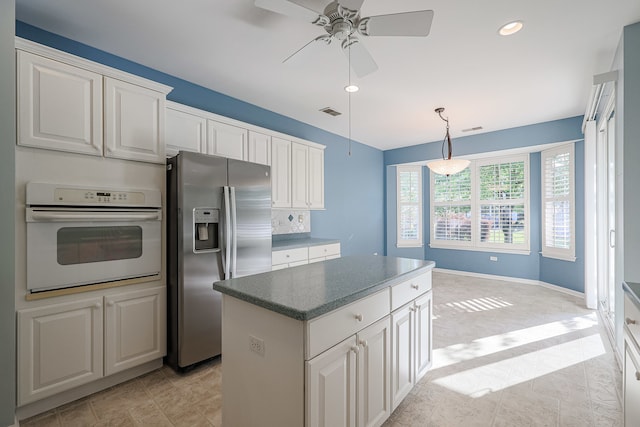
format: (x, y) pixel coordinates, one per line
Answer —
(351, 88)
(510, 28)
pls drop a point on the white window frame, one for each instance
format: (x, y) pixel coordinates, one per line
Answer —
(475, 243)
(409, 243)
(566, 254)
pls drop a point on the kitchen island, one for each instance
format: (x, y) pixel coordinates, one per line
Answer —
(340, 342)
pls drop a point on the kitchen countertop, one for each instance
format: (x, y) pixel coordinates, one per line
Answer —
(311, 290)
(300, 243)
(633, 290)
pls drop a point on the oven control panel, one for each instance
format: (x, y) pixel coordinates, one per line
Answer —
(70, 195)
(81, 196)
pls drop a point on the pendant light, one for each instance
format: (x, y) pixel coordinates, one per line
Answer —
(447, 166)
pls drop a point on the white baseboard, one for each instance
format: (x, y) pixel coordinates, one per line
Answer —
(513, 279)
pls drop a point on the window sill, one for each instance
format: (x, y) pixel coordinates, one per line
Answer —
(404, 245)
(481, 249)
(568, 258)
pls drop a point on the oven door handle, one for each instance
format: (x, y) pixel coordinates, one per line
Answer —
(56, 216)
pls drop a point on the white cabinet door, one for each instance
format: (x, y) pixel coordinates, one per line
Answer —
(134, 122)
(59, 348)
(59, 106)
(402, 353)
(423, 326)
(374, 398)
(135, 328)
(226, 140)
(631, 384)
(259, 148)
(299, 177)
(331, 387)
(316, 178)
(280, 173)
(184, 131)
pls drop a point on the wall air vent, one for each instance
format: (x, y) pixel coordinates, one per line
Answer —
(330, 111)
(473, 129)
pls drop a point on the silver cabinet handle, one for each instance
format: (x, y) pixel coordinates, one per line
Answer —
(629, 321)
(358, 317)
(363, 343)
(414, 286)
(637, 375)
(612, 238)
(97, 305)
(355, 349)
(110, 303)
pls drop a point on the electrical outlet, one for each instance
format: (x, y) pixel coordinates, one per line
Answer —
(256, 345)
(493, 258)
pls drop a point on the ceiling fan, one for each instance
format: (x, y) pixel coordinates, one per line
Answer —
(341, 20)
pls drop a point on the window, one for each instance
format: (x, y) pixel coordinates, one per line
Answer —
(558, 203)
(484, 207)
(409, 182)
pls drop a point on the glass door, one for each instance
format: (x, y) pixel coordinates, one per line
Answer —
(606, 181)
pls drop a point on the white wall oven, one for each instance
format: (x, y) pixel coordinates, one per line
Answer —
(79, 236)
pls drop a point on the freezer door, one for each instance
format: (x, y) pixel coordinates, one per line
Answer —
(251, 185)
(201, 182)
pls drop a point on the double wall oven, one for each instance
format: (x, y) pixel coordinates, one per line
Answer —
(79, 236)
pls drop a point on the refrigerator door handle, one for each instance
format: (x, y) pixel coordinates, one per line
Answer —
(234, 233)
(227, 234)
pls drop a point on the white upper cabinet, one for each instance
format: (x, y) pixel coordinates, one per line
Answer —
(280, 173)
(184, 130)
(59, 106)
(134, 122)
(259, 148)
(307, 183)
(299, 176)
(315, 178)
(71, 104)
(227, 140)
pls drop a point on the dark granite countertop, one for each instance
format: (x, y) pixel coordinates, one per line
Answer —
(311, 290)
(282, 245)
(633, 290)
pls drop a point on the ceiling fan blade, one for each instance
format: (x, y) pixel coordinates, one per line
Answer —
(352, 5)
(293, 10)
(361, 60)
(416, 24)
(324, 38)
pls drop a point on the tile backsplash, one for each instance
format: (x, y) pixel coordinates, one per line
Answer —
(285, 221)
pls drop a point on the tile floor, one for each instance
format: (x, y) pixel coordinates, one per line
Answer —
(505, 354)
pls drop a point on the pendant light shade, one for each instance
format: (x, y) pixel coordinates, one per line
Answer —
(448, 165)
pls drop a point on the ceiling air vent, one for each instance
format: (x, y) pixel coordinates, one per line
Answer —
(473, 129)
(330, 111)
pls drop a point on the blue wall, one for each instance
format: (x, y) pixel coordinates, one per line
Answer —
(354, 185)
(533, 266)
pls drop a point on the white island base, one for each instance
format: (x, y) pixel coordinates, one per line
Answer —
(350, 366)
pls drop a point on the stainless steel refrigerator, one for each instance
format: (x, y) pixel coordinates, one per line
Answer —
(219, 226)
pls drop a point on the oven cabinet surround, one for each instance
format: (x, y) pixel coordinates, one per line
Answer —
(66, 344)
(313, 345)
(291, 253)
(631, 361)
(297, 165)
(71, 104)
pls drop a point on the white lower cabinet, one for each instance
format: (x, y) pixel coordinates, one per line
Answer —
(65, 345)
(631, 377)
(411, 346)
(285, 258)
(59, 348)
(348, 385)
(134, 329)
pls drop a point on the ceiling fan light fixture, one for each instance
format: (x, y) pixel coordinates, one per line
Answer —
(510, 28)
(351, 88)
(448, 165)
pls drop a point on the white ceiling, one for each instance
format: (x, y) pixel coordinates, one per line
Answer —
(482, 79)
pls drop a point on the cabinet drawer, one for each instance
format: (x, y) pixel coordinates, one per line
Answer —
(328, 329)
(324, 250)
(632, 318)
(289, 255)
(409, 290)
